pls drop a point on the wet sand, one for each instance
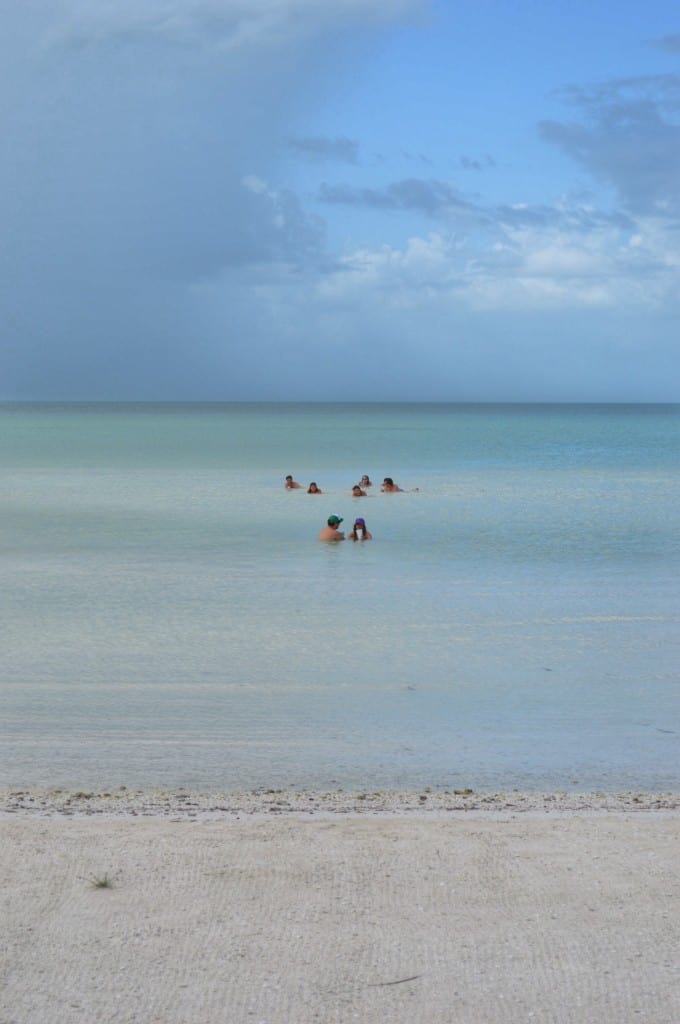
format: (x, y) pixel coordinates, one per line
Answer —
(288, 908)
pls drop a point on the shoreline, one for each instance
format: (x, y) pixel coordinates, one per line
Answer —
(123, 802)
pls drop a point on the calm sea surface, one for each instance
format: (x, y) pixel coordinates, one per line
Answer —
(168, 617)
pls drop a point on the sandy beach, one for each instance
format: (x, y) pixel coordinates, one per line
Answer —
(287, 908)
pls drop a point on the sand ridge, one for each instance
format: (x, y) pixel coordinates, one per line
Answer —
(124, 801)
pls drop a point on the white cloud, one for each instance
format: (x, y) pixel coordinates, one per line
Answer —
(527, 270)
(254, 184)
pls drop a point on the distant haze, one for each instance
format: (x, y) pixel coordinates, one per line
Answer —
(358, 200)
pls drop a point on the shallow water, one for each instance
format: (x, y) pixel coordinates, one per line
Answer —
(169, 618)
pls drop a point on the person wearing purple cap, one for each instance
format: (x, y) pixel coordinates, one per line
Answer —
(331, 531)
(359, 531)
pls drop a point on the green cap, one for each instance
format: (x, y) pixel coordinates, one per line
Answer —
(334, 520)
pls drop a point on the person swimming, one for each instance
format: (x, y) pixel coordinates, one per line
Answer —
(365, 481)
(389, 486)
(313, 489)
(359, 531)
(331, 531)
(291, 484)
(357, 492)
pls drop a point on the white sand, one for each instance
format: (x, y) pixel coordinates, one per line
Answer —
(261, 912)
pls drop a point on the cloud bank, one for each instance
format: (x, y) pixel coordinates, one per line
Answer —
(165, 235)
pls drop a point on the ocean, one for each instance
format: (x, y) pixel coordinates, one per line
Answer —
(169, 618)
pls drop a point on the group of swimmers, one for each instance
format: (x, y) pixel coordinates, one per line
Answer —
(332, 532)
(359, 531)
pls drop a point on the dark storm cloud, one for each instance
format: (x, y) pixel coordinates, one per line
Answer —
(341, 149)
(432, 197)
(670, 44)
(417, 158)
(278, 231)
(229, 26)
(469, 164)
(627, 135)
(131, 134)
(569, 217)
(439, 200)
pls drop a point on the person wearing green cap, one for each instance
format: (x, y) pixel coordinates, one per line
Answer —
(331, 532)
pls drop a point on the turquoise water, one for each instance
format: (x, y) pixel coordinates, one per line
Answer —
(169, 618)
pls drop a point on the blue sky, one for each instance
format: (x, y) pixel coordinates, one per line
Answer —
(366, 200)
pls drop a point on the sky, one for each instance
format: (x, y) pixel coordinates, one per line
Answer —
(363, 200)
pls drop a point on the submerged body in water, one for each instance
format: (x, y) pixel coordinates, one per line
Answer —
(169, 620)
